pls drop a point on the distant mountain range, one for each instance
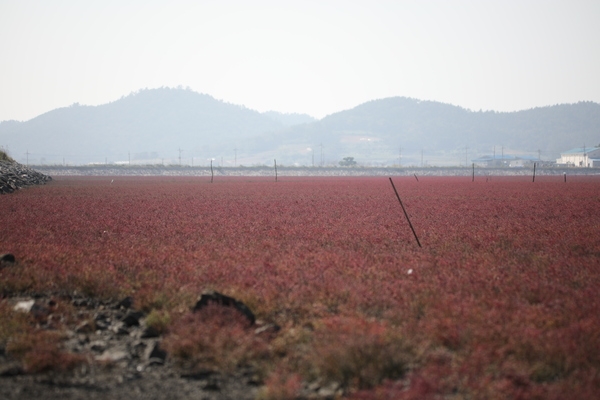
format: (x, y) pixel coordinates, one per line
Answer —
(177, 125)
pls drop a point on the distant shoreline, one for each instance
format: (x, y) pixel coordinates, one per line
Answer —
(154, 170)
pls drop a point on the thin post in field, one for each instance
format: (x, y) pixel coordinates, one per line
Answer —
(415, 178)
(275, 160)
(533, 172)
(473, 176)
(211, 172)
(405, 213)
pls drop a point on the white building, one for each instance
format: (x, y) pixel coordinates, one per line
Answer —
(580, 157)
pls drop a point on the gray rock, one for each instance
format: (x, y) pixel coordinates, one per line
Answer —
(149, 332)
(119, 328)
(6, 259)
(153, 351)
(115, 354)
(132, 318)
(267, 329)
(24, 306)
(85, 327)
(329, 391)
(98, 345)
(126, 303)
(11, 369)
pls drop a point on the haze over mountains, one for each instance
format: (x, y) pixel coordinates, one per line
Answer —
(162, 125)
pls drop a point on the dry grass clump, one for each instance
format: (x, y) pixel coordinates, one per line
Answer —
(159, 321)
(215, 338)
(281, 385)
(41, 351)
(11, 323)
(5, 157)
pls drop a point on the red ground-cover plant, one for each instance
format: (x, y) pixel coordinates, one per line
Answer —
(500, 302)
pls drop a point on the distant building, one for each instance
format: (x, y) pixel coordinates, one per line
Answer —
(504, 161)
(581, 157)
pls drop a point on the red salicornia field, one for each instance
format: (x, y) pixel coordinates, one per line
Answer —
(501, 301)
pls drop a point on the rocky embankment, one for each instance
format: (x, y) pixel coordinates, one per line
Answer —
(14, 176)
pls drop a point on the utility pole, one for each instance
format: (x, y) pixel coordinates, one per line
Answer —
(400, 157)
(321, 154)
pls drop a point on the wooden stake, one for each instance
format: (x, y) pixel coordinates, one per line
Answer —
(405, 213)
(415, 178)
(534, 172)
(211, 172)
(473, 178)
(275, 160)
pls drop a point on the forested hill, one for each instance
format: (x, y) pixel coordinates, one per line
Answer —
(290, 119)
(161, 125)
(378, 129)
(149, 124)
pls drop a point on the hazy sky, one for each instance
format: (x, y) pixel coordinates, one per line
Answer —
(314, 57)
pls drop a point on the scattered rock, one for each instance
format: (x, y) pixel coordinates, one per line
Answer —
(125, 357)
(11, 369)
(126, 303)
(212, 385)
(24, 306)
(154, 352)
(119, 328)
(41, 311)
(132, 318)
(6, 259)
(86, 327)
(149, 332)
(212, 297)
(329, 391)
(114, 355)
(98, 346)
(267, 330)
